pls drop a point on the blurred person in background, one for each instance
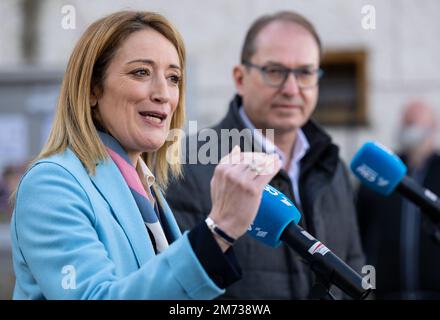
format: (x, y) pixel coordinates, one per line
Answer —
(10, 177)
(277, 88)
(398, 240)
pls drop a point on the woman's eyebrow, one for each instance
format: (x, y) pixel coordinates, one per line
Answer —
(173, 66)
(151, 62)
(146, 61)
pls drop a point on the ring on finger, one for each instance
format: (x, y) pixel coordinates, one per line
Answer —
(253, 167)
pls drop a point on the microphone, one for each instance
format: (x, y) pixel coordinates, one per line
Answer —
(384, 172)
(275, 213)
(277, 220)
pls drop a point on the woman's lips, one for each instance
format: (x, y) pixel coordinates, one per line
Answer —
(155, 119)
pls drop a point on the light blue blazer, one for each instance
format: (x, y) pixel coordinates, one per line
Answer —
(76, 236)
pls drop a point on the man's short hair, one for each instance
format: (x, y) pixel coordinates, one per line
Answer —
(249, 46)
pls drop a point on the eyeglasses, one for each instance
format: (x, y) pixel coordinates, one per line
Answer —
(276, 76)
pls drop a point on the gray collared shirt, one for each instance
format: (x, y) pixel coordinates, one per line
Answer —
(299, 150)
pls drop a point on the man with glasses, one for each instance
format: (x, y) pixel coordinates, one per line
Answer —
(277, 92)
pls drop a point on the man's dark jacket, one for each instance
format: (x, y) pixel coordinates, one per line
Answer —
(380, 223)
(327, 208)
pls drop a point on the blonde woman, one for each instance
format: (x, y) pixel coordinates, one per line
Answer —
(90, 220)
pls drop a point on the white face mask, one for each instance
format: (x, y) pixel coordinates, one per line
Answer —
(412, 136)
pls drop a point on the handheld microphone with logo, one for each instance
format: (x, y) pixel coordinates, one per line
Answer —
(382, 171)
(277, 220)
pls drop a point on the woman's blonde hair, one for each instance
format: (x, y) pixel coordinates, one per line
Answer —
(74, 126)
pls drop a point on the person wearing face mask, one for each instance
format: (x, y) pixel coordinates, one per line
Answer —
(396, 237)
